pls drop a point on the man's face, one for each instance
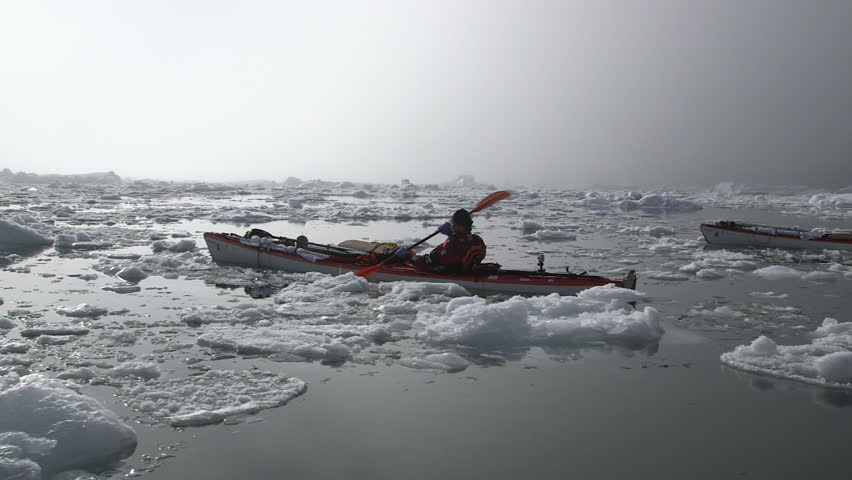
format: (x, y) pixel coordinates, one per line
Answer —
(459, 230)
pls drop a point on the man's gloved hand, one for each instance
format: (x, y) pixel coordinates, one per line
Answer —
(402, 253)
(446, 228)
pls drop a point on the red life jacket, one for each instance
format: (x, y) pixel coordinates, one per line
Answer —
(455, 255)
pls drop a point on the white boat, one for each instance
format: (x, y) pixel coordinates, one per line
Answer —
(302, 256)
(753, 235)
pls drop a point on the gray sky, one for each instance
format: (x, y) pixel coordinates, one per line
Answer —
(563, 92)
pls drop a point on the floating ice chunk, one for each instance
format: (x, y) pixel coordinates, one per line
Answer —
(763, 345)
(660, 202)
(723, 312)
(660, 231)
(597, 314)
(529, 226)
(213, 396)
(827, 360)
(46, 410)
(324, 289)
(670, 245)
(612, 326)
(614, 296)
(836, 367)
(267, 341)
(51, 340)
(122, 288)
(820, 277)
(14, 233)
(19, 453)
(768, 295)
(6, 323)
(53, 330)
(14, 347)
(710, 274)
(131, 274)
(414, 291)
(90, 245)
(83, 310)
(778, 272)
(185, 245)
(83, 374)
(143, 370)
(719, 259)
(479, 323)
(666, 276)
(65, 240)
(549, 236)
(442, 362)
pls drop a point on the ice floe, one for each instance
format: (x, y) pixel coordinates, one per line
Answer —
(185, 245)
(23, 230)
(769, 295)
(131, 274)
(53, 330)
(664, 275)
(598, 314)
(827, 360)
(778, 272)
(51, 428)
(549, 236)
(720, 259)
(212, 397)
(83, 310)
(441, 362)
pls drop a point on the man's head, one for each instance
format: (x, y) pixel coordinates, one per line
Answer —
(461, 221)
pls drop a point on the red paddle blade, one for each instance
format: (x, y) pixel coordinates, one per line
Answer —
(366, 272)
(491, 200)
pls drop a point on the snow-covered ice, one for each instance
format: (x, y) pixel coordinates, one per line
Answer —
(83, 310)
(19, 231)
(213, 396)
(597, 314)
(778, 272)
(51, 427)
(827, 360)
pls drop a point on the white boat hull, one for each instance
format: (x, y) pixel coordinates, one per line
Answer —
(723, 235)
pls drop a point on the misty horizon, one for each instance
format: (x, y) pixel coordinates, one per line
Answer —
(512, 93)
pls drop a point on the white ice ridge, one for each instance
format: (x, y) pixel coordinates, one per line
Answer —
(83, 310)
(549, 236)
(287, 342)
(54, 428)
(23, 230)
(596, 314)
(827, 360)
(213, 396)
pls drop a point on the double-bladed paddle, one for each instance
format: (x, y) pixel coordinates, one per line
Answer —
(482, 205)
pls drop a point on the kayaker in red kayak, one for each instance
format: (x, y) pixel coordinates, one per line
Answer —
(460, 253)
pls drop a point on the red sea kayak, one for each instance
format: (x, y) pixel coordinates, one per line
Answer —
(302, 256)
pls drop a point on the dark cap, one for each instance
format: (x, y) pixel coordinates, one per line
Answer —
(461, 217)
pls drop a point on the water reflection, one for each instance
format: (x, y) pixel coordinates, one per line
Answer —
(824, 396)
(11, 254)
